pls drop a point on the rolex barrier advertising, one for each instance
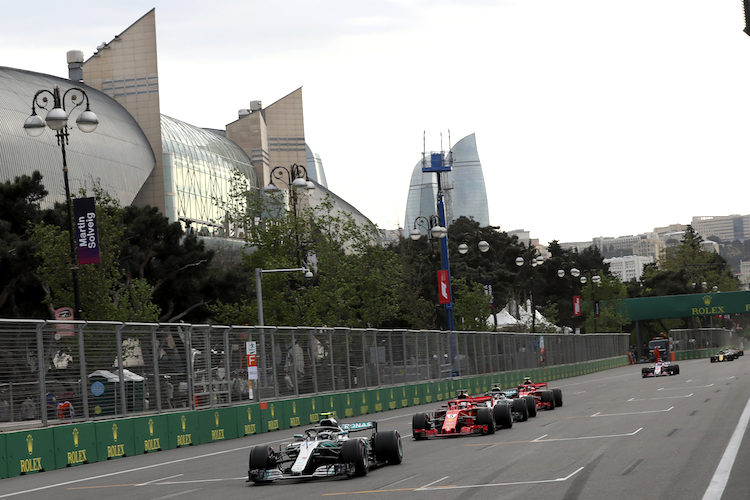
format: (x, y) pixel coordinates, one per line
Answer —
(29, 452)
(151, 434)
(183, 429)
(248, 420)
(75, 444)
(114, 439)
(272, 416)
(217, 424)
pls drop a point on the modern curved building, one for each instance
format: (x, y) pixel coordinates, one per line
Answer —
(117, 156)
(142, 157)
(465, 191)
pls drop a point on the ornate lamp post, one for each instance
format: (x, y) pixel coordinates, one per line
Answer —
(57, 120)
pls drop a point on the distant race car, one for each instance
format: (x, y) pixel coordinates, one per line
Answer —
(544, 397)
(326, 450)
(463, 416)
(521, 408)
(660, 369)
(727, 354)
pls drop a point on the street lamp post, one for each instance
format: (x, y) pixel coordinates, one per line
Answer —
(296, 178)
(259, 287)
(532, 263)
(57, 120)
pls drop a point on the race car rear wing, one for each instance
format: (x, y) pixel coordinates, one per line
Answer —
(359, 426)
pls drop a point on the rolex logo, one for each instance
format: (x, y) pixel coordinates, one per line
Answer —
(249, 414)
(272, 411)
(378, 395)
(30, 443)
(294, 407)
(348, 402)
(364, 400)
(75, 436)
(313, 404)
(183, 419)
(151, 426)
(391, 393)
(216, 417)
(114, 432)
(707, 300)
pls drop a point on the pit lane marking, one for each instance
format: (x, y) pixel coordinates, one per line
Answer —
(600, 414)
(430, 484)
(657, 399)
(158, 480)
(541, 439)
(460, 487)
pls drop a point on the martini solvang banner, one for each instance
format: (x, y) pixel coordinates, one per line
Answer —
(87, 237)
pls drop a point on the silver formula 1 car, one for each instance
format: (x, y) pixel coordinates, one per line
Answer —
(326, 450)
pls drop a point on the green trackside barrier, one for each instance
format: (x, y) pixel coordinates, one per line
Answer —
(75, 444)
(297, 411)
(3, 458)
(217, 424)
(316, 407)
(440, 390)
(349, 404)
(151, 434)
(272, 416)
(428, 392)
(114, 439)
(248, 419)
(391, 398)
(364, 402)
(379, 400)
(415, 394)
(402, 397)
(455, 385)
(30, 451)
(331, 404)
(183, 429)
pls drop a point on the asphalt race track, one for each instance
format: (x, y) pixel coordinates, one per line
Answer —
(618, 436)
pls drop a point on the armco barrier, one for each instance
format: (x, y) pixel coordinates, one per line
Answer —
(75, 444)
(151, 434)
(71, 444)
(114, 439)
(30, 451)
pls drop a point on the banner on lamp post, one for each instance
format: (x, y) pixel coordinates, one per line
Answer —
(576, 305)
(87, 236)
(444, 289)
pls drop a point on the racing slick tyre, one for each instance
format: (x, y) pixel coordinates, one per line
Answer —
(503, 416)
(531, 404)
(713, 360)
(260, 458)
(484, 417)
(354, 450)
(420, 422)
(388, 447)
(557, 393)
(644, 372)
(549, 398)
(675, 369)
(522, 408)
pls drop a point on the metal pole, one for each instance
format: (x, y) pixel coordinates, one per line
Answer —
(42, 374)
(157, 377)
(84, 375)
(121, 370)
(259, 294)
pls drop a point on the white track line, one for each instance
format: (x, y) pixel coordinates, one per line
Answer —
(430, 484)
(540, 481)
(721, 476)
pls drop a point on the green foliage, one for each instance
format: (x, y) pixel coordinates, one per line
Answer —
(609, 292)
(470, 305)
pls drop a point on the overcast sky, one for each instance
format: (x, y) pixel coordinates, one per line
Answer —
(592, 118)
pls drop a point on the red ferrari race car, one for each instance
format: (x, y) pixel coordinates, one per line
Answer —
(544, 397)
(463, 416)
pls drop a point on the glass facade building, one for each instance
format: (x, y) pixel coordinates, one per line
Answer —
(465, 191)
(116, 156)
(198, 169)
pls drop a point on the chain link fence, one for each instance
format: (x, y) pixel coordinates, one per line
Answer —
(53, 371)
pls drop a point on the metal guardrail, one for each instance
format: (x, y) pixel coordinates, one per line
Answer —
(54, 372)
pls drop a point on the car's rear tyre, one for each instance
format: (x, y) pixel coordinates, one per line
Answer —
(522, 408)
(419, 422)
(557, 393)
(484, 417)
(549, 398)
(503, 415)
(388, 447)
(531, 405)
(354, 451)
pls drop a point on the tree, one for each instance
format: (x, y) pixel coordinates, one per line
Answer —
(608, 293)
(19, 211)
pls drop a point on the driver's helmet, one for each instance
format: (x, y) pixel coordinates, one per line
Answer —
(527, 381)
(327, 434)
(496, 388)
(328, 422)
